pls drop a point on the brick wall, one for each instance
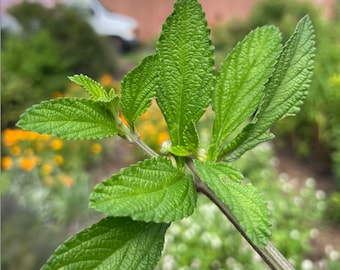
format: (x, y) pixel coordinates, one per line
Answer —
(152, 13)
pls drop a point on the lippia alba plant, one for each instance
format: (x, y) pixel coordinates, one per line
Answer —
(259, 82)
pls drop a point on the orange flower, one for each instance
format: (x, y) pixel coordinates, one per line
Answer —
(15, 150)
(10, 137)
(57, 94)
(59, 159)
(67, 181)
(47, 169)
(56, 144)
(28, 163)
(96, 148)
(106, 79)
(162, 137)
(6, 163)
(30, 135)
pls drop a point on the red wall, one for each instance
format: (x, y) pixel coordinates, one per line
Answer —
(152, 13)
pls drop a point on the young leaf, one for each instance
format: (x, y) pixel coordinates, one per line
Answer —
(186, 69)
(240, 82)
(113, 243)
(69, 118)
(285, 91)
(139, 86)
(95, 89)
(244, 201)
(152, 190)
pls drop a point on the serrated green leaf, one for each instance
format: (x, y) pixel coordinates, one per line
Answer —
(240, 83)
(244, 201)
(113, 243)
(180, 151)
(186, 69)
(138, 88)
(151, 190)
(285, 91)
(69, 118)
(95, 89)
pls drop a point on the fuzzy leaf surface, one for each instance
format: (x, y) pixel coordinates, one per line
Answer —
(285, 91)
(112, 243)
(151, 190)
(95, 89)
(240, 82)
(69, 118)
(186, 69)
(244, 201)
(138, 88)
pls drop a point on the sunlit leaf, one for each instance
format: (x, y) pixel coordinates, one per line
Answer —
(240, 83)
(69, 118)
(95, 89)
(112, 243)
(244, 201)
(152, 190)
(186, 69)
(285, 91)
(139, 87)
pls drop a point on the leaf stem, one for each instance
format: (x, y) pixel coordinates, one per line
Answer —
(270, 255)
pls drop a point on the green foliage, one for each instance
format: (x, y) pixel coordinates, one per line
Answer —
(295, 211)
(316, 127)
(95, 90)
(186, 69)
(244, 200)
(26, 62)
(55, 42)
(333, 208)
(112, 243)
(152, 190)
(70, 118)
(77, 43)
(289, 83)
(138, 89)
(238, 89)
(181, 78)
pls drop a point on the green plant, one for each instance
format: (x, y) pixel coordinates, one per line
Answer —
(258, 83)
(55, 42)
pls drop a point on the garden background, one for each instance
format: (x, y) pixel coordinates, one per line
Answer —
(45, 181)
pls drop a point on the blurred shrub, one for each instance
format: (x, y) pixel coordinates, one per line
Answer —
(55, 43)
(79, 46)
(314, 132)
(333, 208)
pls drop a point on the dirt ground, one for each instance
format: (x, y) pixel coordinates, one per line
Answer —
(300, 170)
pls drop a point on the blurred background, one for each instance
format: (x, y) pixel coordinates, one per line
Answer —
(45, 181)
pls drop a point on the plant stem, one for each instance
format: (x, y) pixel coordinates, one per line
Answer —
(270, 255)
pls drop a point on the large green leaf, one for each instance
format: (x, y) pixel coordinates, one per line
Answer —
(95, 89)
(244, 201)
(240, 83)
(138, 88)
(69, 118)
(186, 69)
(113, 243)
(285, 91)
(152, 190)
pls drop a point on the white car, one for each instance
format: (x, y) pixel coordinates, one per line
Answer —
(123, 29)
